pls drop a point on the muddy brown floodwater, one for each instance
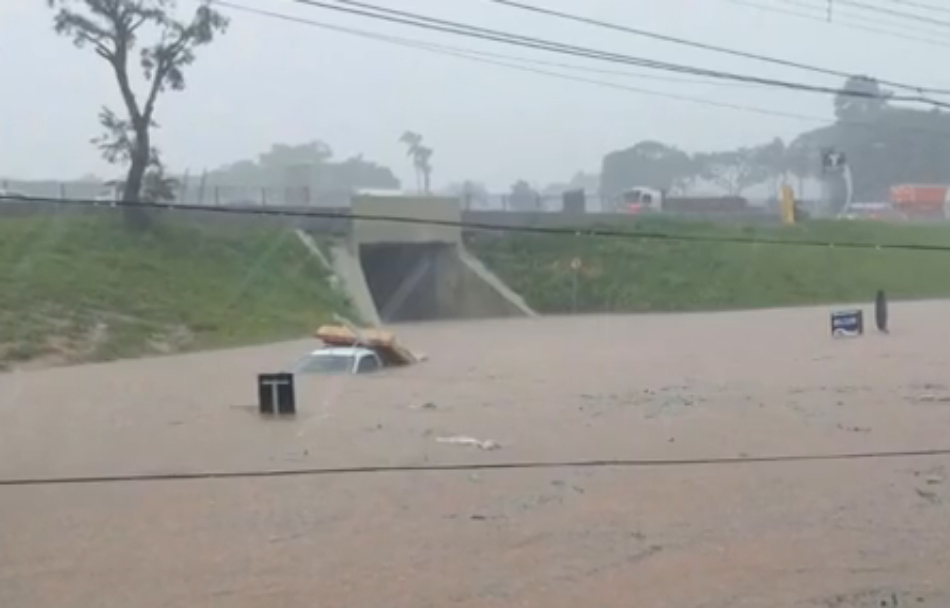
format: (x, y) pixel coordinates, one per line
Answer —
(841, 533)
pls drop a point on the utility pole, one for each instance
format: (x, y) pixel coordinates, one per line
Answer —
(831, 10)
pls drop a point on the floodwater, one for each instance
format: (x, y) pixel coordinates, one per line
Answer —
(867, 532)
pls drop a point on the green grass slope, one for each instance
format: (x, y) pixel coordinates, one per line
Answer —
(640, 275)
(85, 289)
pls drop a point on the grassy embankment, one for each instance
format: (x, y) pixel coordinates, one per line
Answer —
(80, 289)
(639, 275)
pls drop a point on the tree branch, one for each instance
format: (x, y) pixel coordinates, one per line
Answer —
(168, 56)
(101, 49)
(121, 69)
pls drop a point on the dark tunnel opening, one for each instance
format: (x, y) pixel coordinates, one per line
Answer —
(403, 279)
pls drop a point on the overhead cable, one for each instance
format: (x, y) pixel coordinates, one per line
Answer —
(436, 47)
(472, 466)
(899, 35)
(420, 21)
(708, 47)
(488, 58)
(505, 61)
(578, 231)
(923, 6)
(873, 8)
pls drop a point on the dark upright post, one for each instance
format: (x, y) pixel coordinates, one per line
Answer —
(880, 311)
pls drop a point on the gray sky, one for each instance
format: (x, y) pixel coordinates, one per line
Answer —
(269, 81)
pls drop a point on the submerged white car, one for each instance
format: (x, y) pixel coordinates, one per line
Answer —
(339, 360)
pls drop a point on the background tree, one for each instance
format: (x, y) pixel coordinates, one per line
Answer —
(885, 145)
(283, 155)
(472, 193)
(648, 164)
(421, 160)
(852, 107)
(801, 160)
(112, 29)
(523, 197)
(310, 165)
(736, 170)
(589, 182)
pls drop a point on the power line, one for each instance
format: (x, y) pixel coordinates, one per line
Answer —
(474, 466)
(891, 17)
(923, 6)
(860, 17)
(853, 15)
(456, 28)
(488, 59)
(873, 8)
(480, 57)
(838, 22)
(699, 45)
(476, 225)
(401, 15)
(458, 51)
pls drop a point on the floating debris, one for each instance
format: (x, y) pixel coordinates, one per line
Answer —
(487, 445)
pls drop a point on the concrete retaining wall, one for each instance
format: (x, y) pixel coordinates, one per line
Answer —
(419, 271)
(439, 209)
(349, 272)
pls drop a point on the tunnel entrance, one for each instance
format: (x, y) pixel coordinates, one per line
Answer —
(403, 279)
(418, 269)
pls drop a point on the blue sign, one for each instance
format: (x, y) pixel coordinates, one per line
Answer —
(847, 324)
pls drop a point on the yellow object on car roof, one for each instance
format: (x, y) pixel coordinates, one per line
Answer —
(382, 342)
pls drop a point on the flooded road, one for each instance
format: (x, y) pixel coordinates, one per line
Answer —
(699, 386)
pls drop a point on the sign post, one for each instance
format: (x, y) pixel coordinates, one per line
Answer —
(275, 393)
(847, 324)
(787, 205)
(576, 266)
(880, 311)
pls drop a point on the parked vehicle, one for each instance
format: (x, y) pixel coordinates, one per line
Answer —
(871, 211)
(338, 360)
(348, 350)
(650, 200)
(922, 201)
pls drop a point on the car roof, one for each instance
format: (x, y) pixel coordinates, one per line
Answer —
(341, 351)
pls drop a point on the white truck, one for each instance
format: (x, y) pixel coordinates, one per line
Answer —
(339, 360)
(348, 350)
(651, 200)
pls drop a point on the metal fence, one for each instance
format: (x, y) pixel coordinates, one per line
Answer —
(196, 192)
(190, 193)
(501, 207)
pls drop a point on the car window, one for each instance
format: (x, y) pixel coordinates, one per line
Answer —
(324, 364)
(368, 364)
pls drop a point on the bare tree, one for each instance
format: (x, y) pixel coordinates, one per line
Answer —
(112, 29)
(421, 160)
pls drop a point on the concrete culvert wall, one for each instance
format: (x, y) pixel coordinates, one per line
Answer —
(407, 271)
(403, 280)
(431, 281)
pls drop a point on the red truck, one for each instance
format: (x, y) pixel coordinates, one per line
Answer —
(922, 201)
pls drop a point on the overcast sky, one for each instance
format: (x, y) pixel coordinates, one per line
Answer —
(271, 81)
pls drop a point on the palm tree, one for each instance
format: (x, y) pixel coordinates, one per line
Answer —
(421, 157)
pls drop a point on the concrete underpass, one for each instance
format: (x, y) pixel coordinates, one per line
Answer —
(403, 280)
(404, 272)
